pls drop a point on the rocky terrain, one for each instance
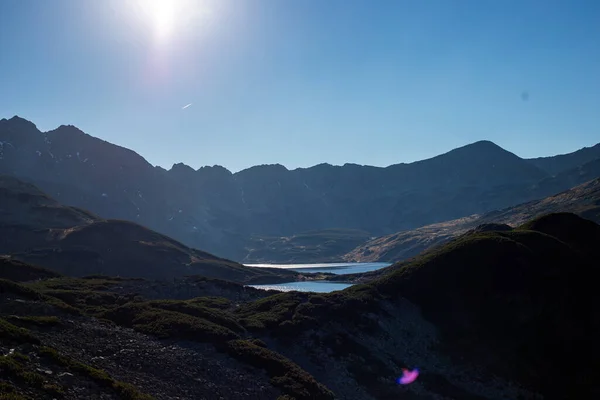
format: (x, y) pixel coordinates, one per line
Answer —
(490, 315)
(228, 213)
(583, 200)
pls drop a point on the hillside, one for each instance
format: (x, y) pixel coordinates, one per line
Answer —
(583, 200)
(315, 246)
(65, 338)
(490, 316)
(35, 228)
(497, 314)
(223, 212)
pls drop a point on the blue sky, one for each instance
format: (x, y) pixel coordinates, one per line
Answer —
(300, 82)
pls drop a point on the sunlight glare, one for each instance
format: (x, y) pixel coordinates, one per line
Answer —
(167, 16)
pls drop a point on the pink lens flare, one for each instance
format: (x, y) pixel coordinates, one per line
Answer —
(408, 376)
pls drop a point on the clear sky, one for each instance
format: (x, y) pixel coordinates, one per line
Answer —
(300, 82)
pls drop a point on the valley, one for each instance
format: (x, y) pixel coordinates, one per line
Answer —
(97, 304)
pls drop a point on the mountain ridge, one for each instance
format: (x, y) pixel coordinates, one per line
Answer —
(220, 211)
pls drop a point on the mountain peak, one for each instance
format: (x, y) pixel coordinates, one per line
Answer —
(70, 129)
(181, 167)
(482, 145)
(21, 123)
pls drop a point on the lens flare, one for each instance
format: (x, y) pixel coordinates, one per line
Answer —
(408, 376)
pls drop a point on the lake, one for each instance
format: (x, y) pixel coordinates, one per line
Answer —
(317, 286)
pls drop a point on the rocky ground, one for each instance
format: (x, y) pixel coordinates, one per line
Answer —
(166, 369)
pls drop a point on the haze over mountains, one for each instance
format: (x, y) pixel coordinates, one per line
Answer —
(226, 213)
(36, 228)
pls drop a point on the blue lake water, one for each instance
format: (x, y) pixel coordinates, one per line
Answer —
(317, 286)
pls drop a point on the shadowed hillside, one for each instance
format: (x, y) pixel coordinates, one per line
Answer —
(35, 228)
(518, 305)
(490, 316)
(315, 246)
(583, 200)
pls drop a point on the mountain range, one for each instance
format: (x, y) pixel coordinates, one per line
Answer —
(230, 214)
(122, 311)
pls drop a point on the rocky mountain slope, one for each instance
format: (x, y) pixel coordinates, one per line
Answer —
(583, 200)
(491, 315)
(37, 229)
(216, 210)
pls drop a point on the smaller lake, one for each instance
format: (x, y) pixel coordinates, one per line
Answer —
(310, 286)
(317, 286)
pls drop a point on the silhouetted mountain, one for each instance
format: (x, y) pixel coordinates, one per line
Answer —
(583, 200)
(556, 164)
(213, 209)
(35, 228)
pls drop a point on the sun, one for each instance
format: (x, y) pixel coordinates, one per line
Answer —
(164, 17)
(163, 14)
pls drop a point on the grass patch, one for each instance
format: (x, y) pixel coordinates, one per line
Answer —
(94, 283)
(14, 368)
(35, 320)
(21, 272)
(31, 292)
(124, 390)
(14, 334)
(200, 310)
(88, 301)
(168, 324)
(271, 311)
(285, 374)
(220, 303)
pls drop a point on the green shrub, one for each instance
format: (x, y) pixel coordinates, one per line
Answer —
(168, 324)
(35, 320)
(271, 311)
(124, 390)
(11, 367)
(197, 309)
(11, 333)
(285, 374)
